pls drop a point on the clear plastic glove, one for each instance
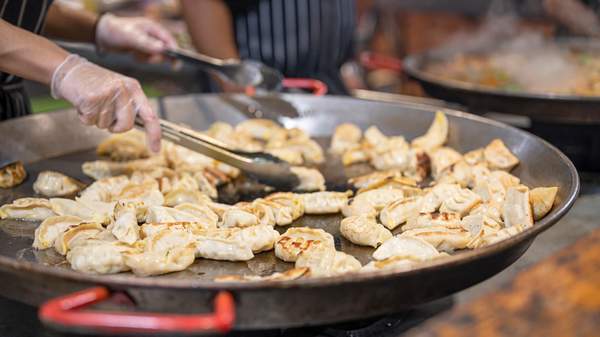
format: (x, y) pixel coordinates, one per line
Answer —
(144, 37)
(104, 98)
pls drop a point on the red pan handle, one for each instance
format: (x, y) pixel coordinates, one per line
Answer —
(66, 311)
(374, 61)
(318, 88)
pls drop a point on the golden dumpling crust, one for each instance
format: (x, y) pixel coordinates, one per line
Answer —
(12, 175)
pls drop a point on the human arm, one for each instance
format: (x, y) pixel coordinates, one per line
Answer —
(210, 26)
(575, 15)
(143, 37)
(101, 97)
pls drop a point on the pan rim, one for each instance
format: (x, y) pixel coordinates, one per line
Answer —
(131, 281)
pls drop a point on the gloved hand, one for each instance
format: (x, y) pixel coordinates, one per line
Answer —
(144, 37)
(104, 98)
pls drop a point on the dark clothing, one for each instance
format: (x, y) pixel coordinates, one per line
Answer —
(300, 38)
(29, 15)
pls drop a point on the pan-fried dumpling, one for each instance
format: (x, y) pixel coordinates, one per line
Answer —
(461, 201)
(104, 189)
(397, 263)
(125, 225)
(166, 252)
(442, 159)
(237, 217)
(202, 213)
(288, 275)
(95, 256)
(474, 157)
(12, 175)
(444, 238)
(370, 179)
(495, 236)
(76, 235)
(433, 198)
(310, 179)
(146, 192)
(372, 201)
(213, 247)
(374, 137)
(405, 184)
(344, 137)
(399, 212)
(259, 238)
(51, 228)
(161, 214)
(91, 211)
(182, 196)
(356, 154)
(459, 173)
(364, 230)
(30, 209)
(288, 154)
(124, 146)
(516, 210)
(103, 169)
(499, 157)
(506, 179)
(492, 213)
(419, 165)
(205, 186)
(435, 219)
(323, 261)
(262, 129)
(193, 228)
(311, 151)
(287, 207)
(324, 202)
(261, 209)
(299, 239)
(392, 154)
(435, 136)
(56, 184)
(542, 200)
(406, 246)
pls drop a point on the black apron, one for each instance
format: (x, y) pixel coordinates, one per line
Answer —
(29, 15)
(300, 38)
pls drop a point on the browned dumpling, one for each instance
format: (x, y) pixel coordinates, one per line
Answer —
(406, 246)
(124, 146)
(372, 201)
(499, 157)
(364, 230)
(443, 238)
(324, 202)
(12, 174)
(542, 200)
(435, 136)
(49, 230)
(30, 209)
(300, 239)
(345, 137)
(96, 256)
(310, 179)
(400, 211)
(516, 210)
(322, 260)
(442, 159)
(56, 184)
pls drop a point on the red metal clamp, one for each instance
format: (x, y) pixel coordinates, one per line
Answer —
(66, 312)
(318, 88)
(373, 61)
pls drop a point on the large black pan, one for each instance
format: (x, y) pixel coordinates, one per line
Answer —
(537, 106)
(58, 141)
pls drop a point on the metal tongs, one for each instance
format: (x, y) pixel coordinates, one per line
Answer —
(264, 167)
(241, 72)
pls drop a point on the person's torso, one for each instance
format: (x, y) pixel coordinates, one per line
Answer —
(26, 14)
(301, 38)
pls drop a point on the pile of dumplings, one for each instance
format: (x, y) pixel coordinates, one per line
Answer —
(155, 214)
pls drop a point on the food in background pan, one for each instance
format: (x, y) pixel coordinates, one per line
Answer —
(155, 215)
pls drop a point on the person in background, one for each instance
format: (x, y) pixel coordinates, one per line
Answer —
(102, 97)
(580, 17)
(300, 38)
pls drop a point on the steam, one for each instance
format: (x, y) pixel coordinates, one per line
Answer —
(528, 57)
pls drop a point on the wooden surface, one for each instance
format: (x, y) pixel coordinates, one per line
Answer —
(557, 297)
